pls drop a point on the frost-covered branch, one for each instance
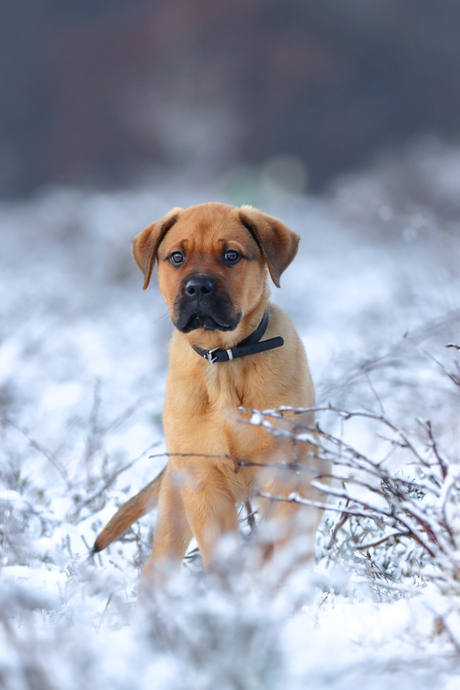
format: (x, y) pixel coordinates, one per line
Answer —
(413, 497)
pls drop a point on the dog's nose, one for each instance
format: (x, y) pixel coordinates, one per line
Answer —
(199, 286)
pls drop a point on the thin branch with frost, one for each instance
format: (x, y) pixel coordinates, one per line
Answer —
(93, 439)
(5, 530)
(338, 526)
(73, 515)
(387, 537)
(37, 446)
(453, 377)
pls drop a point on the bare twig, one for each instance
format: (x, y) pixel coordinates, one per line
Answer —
(5, 529)
(449, 374)
(371, 545)
(109, 482)
(93, 439)
(251, 516)
(434, 448)
(338, 526)
(376, 395)
(37, 446)
(125, 415)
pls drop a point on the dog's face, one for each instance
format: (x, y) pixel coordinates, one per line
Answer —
(212, 262)
(209, 270)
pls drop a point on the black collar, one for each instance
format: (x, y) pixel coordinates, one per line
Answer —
(248, 346)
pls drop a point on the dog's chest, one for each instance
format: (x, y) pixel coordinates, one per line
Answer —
(230, 401)
(206, 412)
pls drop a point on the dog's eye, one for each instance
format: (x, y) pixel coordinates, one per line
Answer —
(177, 258)
(231, 256)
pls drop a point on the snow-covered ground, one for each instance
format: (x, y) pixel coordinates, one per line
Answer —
(82, 373)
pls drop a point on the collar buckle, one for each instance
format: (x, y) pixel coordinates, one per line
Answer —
(209, 355)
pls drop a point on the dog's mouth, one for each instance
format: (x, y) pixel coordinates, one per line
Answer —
(199, 319)
(202, 304)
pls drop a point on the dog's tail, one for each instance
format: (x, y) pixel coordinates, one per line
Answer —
(132, 510)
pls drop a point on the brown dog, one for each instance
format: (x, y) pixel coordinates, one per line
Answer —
(212, 271)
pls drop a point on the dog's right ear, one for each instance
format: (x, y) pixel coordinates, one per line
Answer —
(146, 243)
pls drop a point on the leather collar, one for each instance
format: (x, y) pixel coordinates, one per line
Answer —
(249, 346)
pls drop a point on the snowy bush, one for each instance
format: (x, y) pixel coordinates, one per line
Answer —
(398, 508)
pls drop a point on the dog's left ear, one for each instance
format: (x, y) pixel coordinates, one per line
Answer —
(146, 243)
(276, 241)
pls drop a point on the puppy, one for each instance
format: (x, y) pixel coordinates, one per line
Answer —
(232, 351)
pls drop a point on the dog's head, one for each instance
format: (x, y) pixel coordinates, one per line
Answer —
(212, 262)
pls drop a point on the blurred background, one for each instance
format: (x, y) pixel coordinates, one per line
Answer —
(340, 117)
(101, 91)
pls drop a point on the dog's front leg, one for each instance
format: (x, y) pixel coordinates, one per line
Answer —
(209, 506)
(173, 532)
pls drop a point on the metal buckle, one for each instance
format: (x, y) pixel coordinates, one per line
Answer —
(209, 357)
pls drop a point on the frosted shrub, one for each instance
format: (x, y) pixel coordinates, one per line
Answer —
(396, 502)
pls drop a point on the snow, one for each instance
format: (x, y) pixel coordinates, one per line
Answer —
(83, 361)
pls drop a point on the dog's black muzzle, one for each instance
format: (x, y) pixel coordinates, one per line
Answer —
(202, 304)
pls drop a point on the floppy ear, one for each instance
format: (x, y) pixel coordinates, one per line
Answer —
(146, 243)
(276, 241)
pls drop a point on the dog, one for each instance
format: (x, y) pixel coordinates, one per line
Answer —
(232, 352)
